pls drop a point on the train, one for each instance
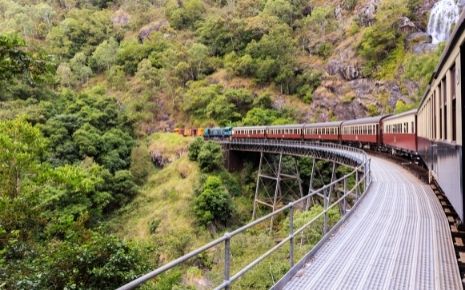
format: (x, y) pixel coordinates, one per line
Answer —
(396, 133)
(431, 133)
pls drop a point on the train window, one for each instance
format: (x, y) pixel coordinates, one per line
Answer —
(434, 116)
(440, 110)
(444, 87)
(453, 84)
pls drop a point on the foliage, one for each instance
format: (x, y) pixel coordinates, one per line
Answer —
(104, 55)
(380, 39)
(101, 262)
(80, 31)
(401, 106)
(222, 34)
(312, 234)
(260, 116)
(22, 72)
(22, 148)
(47, 215)
(210, 156)
(320, 22)
(224, 106)
(83, 126)
(194, 148)
(214, 204)
(141, 164)
(419, 68)
(184, 14)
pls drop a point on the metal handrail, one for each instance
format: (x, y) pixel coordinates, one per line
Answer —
(226, 238)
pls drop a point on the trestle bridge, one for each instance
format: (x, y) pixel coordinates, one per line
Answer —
(392, 234)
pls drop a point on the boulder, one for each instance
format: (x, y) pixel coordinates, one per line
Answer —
(348, 71)
(423, 48)
(366, 14)
(406, 25)
(419, 37)
(145, 31)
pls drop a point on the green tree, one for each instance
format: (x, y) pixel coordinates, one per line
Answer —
(184, 14)
(194, 148)
(281, 9)
(23, 146)
(104, 56)
(210, 157)
(81, 71)
(214, 204)
(81, 31)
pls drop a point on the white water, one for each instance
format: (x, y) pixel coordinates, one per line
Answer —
(444, 15)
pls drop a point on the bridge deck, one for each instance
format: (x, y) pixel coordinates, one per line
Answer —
(398, 238)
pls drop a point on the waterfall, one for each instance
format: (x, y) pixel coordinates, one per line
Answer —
(444, 15)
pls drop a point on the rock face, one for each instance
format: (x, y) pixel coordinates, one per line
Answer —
(423, 48)
(420, 42)
(349, 100)
(145, 31)
(419, 37)
(345, 64)
(406, 25)
(366, 15)
(120, 18)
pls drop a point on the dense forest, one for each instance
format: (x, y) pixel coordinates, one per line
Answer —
(95, 191)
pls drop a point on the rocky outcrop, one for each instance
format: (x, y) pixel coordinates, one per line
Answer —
(406, 25)
(423, 48)
(120, 18)
(345, 64)
(418, 37)
(420, 42)
(348, 100)
(145, 31)
(366, 14)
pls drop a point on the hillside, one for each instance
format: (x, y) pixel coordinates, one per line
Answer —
(182, 63)
(95, 189)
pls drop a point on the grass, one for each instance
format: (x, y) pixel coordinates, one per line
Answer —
(169, 145)
(160, 214)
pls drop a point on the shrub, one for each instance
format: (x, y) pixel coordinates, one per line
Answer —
(214, 204)
(184, 14)
(141, 164)
(194, 148)
(102, 262)
(210, 157)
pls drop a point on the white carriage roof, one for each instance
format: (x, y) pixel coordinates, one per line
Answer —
(292, 126)
(363, 121)
(411, 112)
(325, 124)
(250, 127)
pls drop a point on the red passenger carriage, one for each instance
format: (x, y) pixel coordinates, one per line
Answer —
(400, 131)
(322, 131)
(285, 132)
(366, 130)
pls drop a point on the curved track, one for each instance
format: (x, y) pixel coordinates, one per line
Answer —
(398, 238)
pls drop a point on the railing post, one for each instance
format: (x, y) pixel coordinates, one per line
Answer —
(369, 171)
(227, 259)
(364, 177)
(344, 201)
(356, 184)
(291, 234)
(325, 218)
